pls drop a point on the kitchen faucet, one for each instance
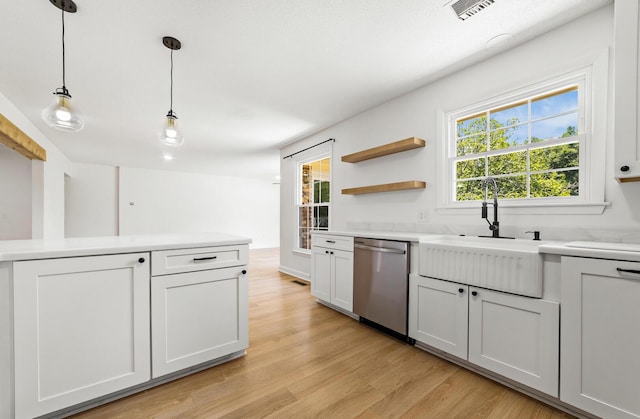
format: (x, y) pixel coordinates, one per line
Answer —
(495, 225)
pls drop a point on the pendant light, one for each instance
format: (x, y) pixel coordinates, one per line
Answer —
(60, 114)
(170, 134)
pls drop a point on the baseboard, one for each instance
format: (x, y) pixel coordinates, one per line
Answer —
(294, 272)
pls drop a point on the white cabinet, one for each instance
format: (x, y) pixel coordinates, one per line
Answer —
(627, 91)
(83, 321)
(514, 336)
(321, 273)
(600, 353)
(198, 316)
(81, 329)
(438, 314)
(342, 279)
(332, 270)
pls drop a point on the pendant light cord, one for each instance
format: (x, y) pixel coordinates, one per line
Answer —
(64, 83)
(171, 93)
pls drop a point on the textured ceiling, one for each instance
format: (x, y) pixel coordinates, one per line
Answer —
(251, 75)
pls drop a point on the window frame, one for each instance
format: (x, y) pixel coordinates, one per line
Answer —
(299, 162)
(592, 81)
(528, 97)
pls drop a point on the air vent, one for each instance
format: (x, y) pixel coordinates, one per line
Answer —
(467, 8)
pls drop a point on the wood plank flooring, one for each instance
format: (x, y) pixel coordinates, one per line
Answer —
(306, 360)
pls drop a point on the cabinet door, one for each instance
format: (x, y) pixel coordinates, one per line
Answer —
(627, 90)
(81, 329)
(342, 279)
(516, 337)
(438, 313)
(197, 317)
(321, 273)
(600, 354)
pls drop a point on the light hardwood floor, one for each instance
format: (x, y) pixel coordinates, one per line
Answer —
(306, 360)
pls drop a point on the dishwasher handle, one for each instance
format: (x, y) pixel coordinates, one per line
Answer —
(379, 249)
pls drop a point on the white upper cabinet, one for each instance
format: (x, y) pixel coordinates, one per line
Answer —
(627, 91)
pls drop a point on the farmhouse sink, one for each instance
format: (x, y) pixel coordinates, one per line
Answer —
(513, 266)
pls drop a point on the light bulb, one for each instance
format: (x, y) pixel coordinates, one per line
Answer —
(63, 115)
(170, 134)
(60, 115)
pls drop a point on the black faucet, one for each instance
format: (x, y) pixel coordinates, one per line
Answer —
(495, 225)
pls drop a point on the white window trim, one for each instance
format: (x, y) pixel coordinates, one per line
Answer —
(592, 173)
(318, 153)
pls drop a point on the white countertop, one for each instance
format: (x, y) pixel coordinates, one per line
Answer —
(12, 250)
(599, 250)
(385, 235)
(591, 249)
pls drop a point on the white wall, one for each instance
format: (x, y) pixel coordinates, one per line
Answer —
(91, 201)
(99, 203)
(15, 190)
(417, 114)
(158, 201)
(46, 192)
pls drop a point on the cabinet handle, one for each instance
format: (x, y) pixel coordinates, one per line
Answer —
(460, 290)
(624, 168)
(326, 251)
(141, 260)
(203, 259)
(474, 293)
(331, 252)
(380, 249)
(330, 241)
(628, 271)
(244, 272)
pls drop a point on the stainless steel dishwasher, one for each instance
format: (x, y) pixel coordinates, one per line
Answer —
(381, 285)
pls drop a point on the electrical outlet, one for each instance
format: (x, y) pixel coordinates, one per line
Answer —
(423, 216)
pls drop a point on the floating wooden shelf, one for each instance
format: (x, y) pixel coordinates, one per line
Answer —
(14, 138)
(386, 187)
(384, 150)
(628, 179)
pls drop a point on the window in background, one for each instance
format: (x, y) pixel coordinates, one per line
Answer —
(314, 185)
(532, 145)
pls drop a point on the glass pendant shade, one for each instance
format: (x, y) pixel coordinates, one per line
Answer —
(60, 114)
(170, 134)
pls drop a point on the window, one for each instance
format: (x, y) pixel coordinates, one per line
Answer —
(531, 146)
(314, 186)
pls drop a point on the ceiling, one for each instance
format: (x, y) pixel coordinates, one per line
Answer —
(252, 75)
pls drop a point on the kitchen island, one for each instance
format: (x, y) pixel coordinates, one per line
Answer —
(84, 321)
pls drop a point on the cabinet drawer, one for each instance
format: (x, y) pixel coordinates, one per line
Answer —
(165, 262)
(333, 242)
